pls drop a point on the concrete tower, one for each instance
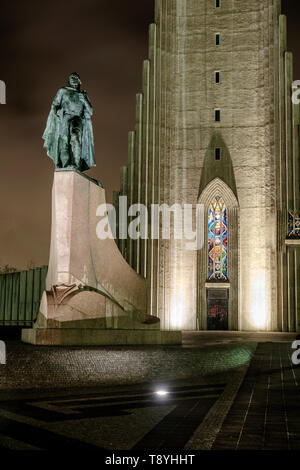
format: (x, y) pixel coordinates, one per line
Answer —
(215, 125)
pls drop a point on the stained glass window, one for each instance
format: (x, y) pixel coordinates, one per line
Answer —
(293, 224)
(217, 241)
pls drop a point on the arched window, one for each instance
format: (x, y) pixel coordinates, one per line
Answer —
(217, 241)
(293, 225)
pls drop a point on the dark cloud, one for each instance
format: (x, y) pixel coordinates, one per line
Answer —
(41, 43)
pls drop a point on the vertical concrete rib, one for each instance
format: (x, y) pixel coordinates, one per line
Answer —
(296, 207)
(138, 173)
(282, 117)
(282, 304)
(296, 158)
(130, 190)
(290, 278)
(159, 19)
(145, 157)
(122, 212)
(288, 124)
(297, 285)
(116, 206)
(296, 196)
(151, 157)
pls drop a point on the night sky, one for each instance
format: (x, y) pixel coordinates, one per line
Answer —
(41, 43)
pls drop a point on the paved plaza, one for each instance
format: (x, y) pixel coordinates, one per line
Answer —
(225, 391)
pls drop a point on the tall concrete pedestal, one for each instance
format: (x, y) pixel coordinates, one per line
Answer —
(92, 297)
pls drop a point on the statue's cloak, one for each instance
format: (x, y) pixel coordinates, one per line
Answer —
(54, 134)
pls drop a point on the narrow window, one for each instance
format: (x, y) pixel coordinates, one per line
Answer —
(217, 77)
(218, 3)
(217, 115)
(218, 39)
(218, 153)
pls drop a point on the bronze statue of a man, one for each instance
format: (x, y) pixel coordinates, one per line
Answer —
(68, 136)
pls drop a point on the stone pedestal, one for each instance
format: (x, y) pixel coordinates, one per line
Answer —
(92, 297)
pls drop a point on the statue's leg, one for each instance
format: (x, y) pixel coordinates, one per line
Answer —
(76, 139)
(64, 143)
(64, 151)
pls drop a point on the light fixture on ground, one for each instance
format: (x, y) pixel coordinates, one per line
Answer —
(162, 393)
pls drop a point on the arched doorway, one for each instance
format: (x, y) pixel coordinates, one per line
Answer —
(218, 260)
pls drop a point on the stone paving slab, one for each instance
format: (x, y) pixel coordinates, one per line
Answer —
(207, 431)
(203, 339)
(55, 367)
(119, 418)
(105, 398)
(266, 412)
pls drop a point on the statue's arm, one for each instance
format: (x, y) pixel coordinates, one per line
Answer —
(87, 104)
(56, 105)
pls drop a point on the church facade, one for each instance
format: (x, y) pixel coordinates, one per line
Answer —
(216, 125)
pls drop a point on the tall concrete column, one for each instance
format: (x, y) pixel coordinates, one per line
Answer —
(282, 228)
(145, 158)
(123, 212)
(152, 155)
(130, 190)
(138, 174)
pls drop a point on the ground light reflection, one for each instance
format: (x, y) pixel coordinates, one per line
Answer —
(162, 393)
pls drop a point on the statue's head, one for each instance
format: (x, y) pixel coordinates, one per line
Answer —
(74, 80)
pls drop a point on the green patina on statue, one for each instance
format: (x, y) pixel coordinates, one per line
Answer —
(69, 133)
